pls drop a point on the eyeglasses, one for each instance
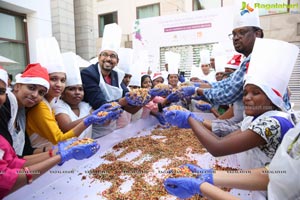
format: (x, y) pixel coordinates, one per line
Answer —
(112, 56)
(240, 33)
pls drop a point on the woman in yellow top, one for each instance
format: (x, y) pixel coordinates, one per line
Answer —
(41, 125)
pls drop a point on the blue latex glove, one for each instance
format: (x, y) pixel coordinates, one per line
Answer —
(61, 146)
(203, 107)
(200, 171)
(188, 91)
(180, 118)
(188, 187)
(199, 97)
(79, 152)
(136, 100)
(174, 97)
(102, 108)
(160, 117)
(159, 92)
(181, 78)
(95, 119)
(197, 84)
(114, 115)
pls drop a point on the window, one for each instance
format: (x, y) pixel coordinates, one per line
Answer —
(148, 11)
(13, 40)
(206, 4)
(108, 18)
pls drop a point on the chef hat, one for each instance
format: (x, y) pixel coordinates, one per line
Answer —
(112, 37)
(204, 57)
(173, 60)
(48, 54)
(3, 75)
(136, 75)
(234, 62)
(246, 14)
(34, 74)
(271, 66)
(72, 69)
(140, 65)
(220, 63)
(157, 75)
(125, 59)
(196, 72)
(217, 50)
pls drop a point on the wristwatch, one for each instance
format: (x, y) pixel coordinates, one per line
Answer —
(28, 175)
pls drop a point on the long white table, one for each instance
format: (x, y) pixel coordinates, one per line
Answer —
(66, 181)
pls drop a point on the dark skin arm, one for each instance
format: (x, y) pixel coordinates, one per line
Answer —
(127, 107)
(221, 146)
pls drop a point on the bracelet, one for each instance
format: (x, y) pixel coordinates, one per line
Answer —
(50, 153)
(28, 175)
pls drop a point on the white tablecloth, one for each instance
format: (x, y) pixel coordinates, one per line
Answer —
(65, 182)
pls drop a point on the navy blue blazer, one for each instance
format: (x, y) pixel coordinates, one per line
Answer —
(92, 93)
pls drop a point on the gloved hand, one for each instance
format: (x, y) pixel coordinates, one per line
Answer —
(188, 91)
(137, 100)
(102, 108)
(61, 146)
(197, 84)
(203, 107)
(199, 97)
(95, 119)
(174, 97)
(114, 115)
(106, 107)
(159, 92)
(188, 187)
(181, 78)
(160, 117)
(180, 118)
(79, 152)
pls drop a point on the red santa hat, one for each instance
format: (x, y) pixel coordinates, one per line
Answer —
(157, 75)
(3, 75)
(34, 74)
(234, 62)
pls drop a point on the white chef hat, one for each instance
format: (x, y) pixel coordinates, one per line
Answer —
(125, 59)
(3, 75)
(136, 74)
(48, 54)
(271, 66)
(196, 72)
(72, 69)
(204, 57)
(217, 50)
(112, 37)
(245, 14)
(220, 63)
(173, 60)
(140, 65)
